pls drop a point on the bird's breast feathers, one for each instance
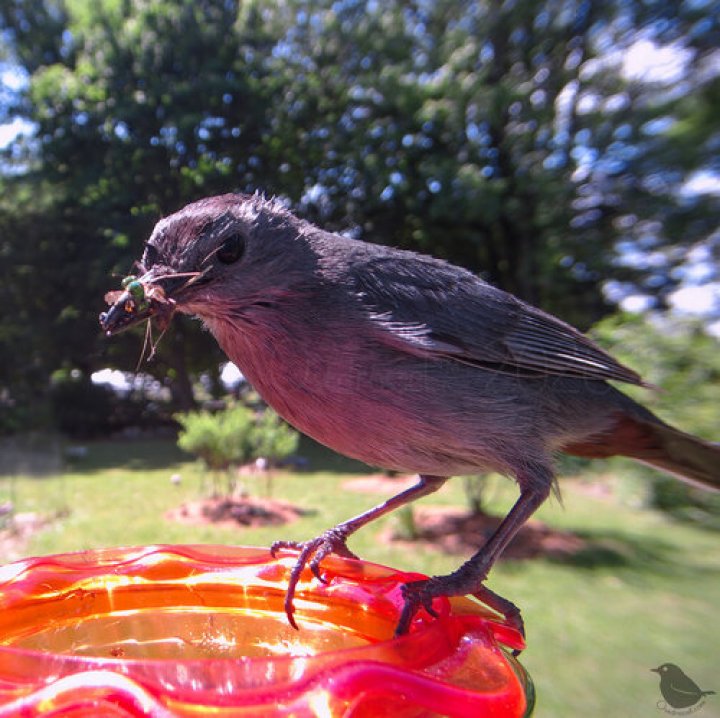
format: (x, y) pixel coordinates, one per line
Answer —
(362, 401)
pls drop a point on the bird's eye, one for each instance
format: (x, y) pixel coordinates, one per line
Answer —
(231, 249)
(150, 256)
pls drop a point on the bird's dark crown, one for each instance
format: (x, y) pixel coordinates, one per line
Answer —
(186, 237)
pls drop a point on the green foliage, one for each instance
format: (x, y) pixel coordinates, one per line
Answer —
(22, 412)
(676, 356)
(683, 362)
(475, 488)
(498, 135)
(406, 524)
(81, 409)
(221, 439)
(273, 438)
(502, 136)
(234, 436)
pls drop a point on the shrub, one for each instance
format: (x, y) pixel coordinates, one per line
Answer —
(273, 438)
(220, 440)
(235, 436)
(80, 408)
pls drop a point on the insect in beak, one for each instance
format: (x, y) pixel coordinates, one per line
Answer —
(138, 300)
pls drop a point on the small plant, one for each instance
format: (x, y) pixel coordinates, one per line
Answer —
(407, 529)
(237, 435)
(475, 488)
(220, 440)
(273, 440)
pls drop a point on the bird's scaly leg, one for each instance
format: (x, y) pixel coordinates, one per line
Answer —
(469, 578)
(334, 540)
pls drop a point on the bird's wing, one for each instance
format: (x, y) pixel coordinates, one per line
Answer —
(684, 689)
(682, 683)
(428, 307)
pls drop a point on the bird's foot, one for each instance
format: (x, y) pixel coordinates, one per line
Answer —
(420, 594)
(417, 595)
(505, 607)
(312, 553)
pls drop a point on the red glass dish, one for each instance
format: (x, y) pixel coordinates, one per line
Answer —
(189, 630)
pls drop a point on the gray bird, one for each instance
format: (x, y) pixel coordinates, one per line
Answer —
(399, 360)
(679, 690)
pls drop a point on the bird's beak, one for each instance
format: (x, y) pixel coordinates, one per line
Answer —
(655, 670)
(144, 298)
(123, 314)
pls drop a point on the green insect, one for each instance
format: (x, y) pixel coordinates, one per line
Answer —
(138, 299)
(134, 287)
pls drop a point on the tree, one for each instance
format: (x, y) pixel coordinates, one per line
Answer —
(503, 136)
(125, 104)
(506, 137)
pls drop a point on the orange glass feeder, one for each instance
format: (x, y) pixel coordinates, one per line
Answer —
(197, 630)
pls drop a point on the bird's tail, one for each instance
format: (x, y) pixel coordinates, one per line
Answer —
(651, 441)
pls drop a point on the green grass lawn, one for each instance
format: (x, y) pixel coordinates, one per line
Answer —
(645, 592)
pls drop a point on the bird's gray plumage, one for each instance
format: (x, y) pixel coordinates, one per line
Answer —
(439, 310)
(320, 322)
(403, 361)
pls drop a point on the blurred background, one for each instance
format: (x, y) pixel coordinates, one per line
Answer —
(567, 151)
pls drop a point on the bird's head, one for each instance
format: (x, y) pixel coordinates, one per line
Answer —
(221, 258)
(665, 668)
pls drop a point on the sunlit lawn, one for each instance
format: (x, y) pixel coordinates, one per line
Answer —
(646, 591)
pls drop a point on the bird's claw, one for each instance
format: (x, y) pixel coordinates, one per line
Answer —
(416, 594)
(511, 613)
(420, 594)
(312, 553)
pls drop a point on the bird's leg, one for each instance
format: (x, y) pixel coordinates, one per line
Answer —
(468, 579)
(334, 540)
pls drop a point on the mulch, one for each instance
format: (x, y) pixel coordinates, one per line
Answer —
(453, 530)
(245, 511)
